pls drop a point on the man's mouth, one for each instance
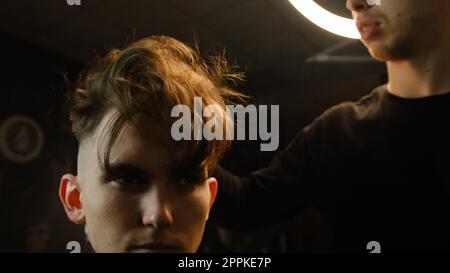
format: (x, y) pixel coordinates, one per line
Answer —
(155, 248)
(369, 30)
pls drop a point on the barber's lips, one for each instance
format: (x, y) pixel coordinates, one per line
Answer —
(369, 30)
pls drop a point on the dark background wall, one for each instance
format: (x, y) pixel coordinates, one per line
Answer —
(33, 85)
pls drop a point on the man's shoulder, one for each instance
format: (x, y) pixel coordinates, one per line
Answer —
(364, 109)
(347, 124)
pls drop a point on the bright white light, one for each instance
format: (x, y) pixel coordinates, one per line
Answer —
(327, 20)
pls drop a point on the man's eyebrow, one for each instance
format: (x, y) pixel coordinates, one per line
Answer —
(186, 169)
(123, 167)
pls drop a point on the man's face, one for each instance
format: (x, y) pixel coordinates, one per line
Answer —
(144, 203)
(399, 29)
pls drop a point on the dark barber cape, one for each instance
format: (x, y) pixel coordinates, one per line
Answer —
(377, 170)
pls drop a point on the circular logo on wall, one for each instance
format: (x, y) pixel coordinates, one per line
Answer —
(21, 139)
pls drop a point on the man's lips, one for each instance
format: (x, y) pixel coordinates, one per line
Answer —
(368, 29)
(154, 247)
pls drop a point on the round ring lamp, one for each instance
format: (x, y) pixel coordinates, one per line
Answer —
(327, 20)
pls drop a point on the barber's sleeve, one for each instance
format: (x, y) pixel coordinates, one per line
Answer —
(273, 194)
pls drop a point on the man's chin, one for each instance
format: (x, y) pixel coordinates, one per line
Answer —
(380, 56)
(389, 51)
(379, 52)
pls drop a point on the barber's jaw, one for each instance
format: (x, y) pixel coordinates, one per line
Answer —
(143, 203)
(399, 29)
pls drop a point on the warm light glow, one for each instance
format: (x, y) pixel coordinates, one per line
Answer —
(329, 21)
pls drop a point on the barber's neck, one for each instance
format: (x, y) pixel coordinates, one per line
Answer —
(426, 74)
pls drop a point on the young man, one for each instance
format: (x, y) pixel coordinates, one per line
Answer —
(377, 169)
(136, 188)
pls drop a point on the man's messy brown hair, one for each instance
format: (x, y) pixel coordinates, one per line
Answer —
(142, 83)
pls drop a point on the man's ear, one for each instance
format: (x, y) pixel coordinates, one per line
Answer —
(70, 198)
(213, 185)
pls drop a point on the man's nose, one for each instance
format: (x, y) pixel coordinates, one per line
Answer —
(357, 5)
(157, 211)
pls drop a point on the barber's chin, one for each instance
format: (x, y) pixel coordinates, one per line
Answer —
(381, 50)
(377, 51)
(379, 56)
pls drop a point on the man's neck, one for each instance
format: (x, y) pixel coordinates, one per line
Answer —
(422, 76)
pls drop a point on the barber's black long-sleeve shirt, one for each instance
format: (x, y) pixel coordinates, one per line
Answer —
(377, 169)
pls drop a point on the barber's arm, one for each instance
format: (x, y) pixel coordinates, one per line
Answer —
(270, 195)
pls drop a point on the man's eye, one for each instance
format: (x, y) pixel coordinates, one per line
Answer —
(129, 180)
(188, 181)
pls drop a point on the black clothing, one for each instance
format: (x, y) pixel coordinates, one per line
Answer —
(377, 169)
